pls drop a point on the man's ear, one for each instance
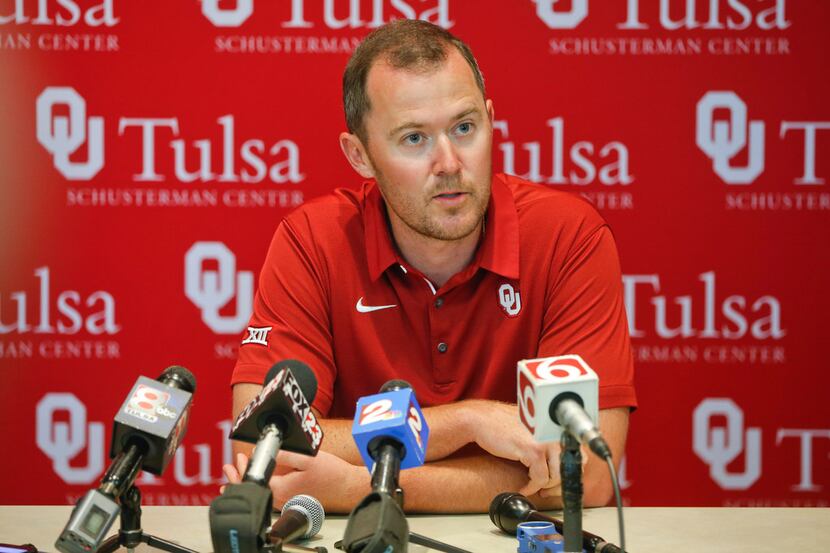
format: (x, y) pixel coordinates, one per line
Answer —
(356, 155)
(491, 113)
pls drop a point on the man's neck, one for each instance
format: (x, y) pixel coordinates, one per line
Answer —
(437, 259)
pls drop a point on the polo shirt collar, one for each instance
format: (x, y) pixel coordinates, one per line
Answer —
(498, 253)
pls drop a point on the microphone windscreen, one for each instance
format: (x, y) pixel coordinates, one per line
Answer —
(302, 374)
(178, 377)
(392, 385)
(507, 510)
(311, 508)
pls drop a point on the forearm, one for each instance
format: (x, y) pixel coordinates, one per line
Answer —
(465, 483)
(462, 483)
(450, 429)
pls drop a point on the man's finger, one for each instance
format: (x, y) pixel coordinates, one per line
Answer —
(241, 463)
(552, 454)
(231, 474)
(537, 465)
(529, 489)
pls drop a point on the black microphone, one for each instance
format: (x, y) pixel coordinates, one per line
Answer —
(147, 431)
(280, 417)
(301, 518)
(507, 510)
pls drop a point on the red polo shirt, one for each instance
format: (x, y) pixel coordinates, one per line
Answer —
(335, 293)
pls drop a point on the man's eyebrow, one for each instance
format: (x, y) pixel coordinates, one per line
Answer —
(416, 125)
(466, 112)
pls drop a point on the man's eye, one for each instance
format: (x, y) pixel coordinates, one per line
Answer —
(413, 139)
(465, 128)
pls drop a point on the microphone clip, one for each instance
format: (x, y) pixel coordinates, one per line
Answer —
(376, 524)
(240, 518)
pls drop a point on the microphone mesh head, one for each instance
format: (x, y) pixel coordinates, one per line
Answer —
(178, 377)
(302, 373)
(311, 508)
(393, 385)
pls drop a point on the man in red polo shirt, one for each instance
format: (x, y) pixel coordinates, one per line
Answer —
(438, 272)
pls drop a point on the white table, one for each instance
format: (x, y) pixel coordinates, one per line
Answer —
(648, 530)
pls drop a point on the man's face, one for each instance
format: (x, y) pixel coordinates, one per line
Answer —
(429, 147)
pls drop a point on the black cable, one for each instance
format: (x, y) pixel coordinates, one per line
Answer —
(619, 502)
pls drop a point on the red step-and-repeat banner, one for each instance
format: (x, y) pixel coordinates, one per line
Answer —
(149, 149)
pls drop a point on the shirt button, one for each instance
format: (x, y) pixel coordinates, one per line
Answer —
(442, 347)
(439, 302)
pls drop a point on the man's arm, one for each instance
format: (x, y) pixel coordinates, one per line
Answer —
(469, 480)
(493, 426)
(463, 480)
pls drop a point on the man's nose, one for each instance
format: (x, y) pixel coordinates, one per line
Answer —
(446, 160)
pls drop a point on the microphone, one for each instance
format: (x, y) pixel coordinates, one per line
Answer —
(147, 431)
(507, 510)
(391, 434)
(561, 393)
(280, 417)
(302, 517)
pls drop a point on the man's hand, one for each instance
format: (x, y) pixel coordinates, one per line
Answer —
(496, 428)
(335, 483)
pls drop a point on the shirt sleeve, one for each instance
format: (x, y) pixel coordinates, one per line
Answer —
(291, 301)
(585, 315)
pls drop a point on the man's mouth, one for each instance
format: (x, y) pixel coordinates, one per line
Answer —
(449, 195)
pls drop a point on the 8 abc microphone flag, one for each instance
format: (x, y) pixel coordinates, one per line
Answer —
(148, 428)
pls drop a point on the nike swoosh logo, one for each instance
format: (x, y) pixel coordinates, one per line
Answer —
(369, 308)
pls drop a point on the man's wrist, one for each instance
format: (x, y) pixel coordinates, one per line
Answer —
(358, 483)
(470, 419)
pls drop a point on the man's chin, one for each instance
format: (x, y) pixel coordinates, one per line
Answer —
(453, 230)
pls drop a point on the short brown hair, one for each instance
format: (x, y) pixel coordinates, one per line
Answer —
(405, 44)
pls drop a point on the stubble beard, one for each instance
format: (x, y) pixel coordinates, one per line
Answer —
(420, 221)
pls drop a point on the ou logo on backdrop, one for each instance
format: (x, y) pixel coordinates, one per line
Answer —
(62, 136)
(62, 441)
(211, 290)
(561, 20)
(225, 17)
(722, 141)
(720, 446)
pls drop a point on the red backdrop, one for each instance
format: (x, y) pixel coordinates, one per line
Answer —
(149, 149)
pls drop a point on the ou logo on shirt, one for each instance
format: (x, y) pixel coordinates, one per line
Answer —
(510, 300)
